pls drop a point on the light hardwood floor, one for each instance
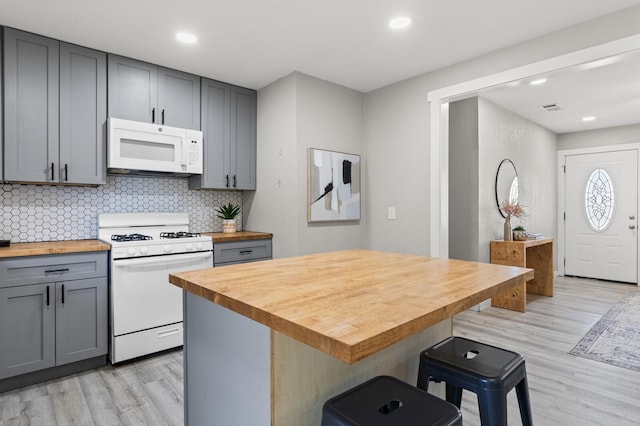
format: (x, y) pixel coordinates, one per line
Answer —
(565, 389)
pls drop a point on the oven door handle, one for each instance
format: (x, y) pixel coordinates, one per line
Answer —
(162, 259)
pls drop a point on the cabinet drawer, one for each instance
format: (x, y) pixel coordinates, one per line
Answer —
(241, 251)
(18, 271)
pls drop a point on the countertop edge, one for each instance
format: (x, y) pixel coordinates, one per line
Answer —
(53, 247)
(338, 349)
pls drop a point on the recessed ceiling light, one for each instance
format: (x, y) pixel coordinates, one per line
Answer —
(186, 38)
(538, 81)
(589, 118)
(399, 23)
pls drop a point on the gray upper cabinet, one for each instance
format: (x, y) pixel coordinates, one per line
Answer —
(179, 99)
(243, 138)
(83, 115)
(54, 110)
(30, 107)
(229, 132)
(133, 91)
(140, 91)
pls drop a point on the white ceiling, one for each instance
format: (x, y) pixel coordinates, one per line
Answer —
(608, 90)
(252, 43)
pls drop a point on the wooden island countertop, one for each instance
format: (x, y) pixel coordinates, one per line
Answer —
(351, 304)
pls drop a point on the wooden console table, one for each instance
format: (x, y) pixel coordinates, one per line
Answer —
(534, 254)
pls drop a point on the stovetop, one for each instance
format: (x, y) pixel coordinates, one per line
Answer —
(150, 234)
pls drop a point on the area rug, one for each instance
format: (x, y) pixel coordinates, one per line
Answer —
(615, 339)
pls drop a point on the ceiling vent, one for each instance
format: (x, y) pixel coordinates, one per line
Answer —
(551, 107)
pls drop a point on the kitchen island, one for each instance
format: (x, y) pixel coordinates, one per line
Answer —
(269, 342)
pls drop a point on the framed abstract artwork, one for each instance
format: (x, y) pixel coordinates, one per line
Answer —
(333, 192)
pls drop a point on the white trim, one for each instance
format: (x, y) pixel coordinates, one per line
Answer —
(562, 155)
(439, 141)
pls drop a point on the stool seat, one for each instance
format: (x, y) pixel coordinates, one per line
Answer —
(488, 371)
(385, 400)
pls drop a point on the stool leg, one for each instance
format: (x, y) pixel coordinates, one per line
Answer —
(454, 395)
(522, 391)
(493, 408)
(423, 378)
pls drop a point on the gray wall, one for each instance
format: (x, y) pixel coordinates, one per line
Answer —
(481, 135)
(600, 137)
(296, 113)
(463, 180)
(532, 149)
(397, 130)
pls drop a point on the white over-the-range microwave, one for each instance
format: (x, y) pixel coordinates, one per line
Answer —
(143, 148)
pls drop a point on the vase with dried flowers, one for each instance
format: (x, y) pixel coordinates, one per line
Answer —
(510, 209)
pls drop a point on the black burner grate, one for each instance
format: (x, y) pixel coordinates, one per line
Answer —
(130, 237)
(178, 235)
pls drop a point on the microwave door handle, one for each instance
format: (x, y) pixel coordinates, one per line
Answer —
(185, 146)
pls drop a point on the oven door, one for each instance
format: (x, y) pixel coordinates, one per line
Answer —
(141, 295)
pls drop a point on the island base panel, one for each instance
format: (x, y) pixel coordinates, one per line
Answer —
(304, 377)
(226, 366)
(239, 372)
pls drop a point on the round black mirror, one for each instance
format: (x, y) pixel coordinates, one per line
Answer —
(506, 184)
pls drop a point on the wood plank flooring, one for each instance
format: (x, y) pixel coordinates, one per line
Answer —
(565, 389)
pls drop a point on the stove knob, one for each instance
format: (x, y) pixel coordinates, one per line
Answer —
(167, 249)
(131, 251)
(199, 246)
(189, 246)
(144, 250)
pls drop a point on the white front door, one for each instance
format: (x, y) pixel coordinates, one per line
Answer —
(601, 207)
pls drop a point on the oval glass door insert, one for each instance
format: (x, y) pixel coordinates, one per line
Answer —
(599, 200)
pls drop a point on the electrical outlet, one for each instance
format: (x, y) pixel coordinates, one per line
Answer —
(392, 213)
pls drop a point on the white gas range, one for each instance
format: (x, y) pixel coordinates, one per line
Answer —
(145, 309)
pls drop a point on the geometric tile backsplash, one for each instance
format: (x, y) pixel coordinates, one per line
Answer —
(53, 213)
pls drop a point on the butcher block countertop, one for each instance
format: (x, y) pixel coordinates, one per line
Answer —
(223, 237)
(53, 247)
(353, 303)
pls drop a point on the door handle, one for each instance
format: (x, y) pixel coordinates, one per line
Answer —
(163, 116)
(632, 227)
(632, 217)
(63, 294)
(153, 115)
(52, 167)
(47, 295)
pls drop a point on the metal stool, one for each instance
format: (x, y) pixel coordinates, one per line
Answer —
(486, 370)
(385, 400)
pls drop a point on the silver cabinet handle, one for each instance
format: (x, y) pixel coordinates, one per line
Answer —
(632, 227)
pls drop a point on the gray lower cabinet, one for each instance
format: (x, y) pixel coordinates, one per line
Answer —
(145, 92)
(54, 111)
(27, 334)
(50, 315)
(233, 252)
(229, 131)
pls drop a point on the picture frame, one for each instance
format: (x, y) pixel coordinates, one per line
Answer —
(333, 186)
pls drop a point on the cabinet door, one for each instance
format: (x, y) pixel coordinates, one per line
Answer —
(178, 99)
(27, 318)
(243, 138)
(83, 115)
(31, 107)
(81, 319)
(216, 106)
(133, 89)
